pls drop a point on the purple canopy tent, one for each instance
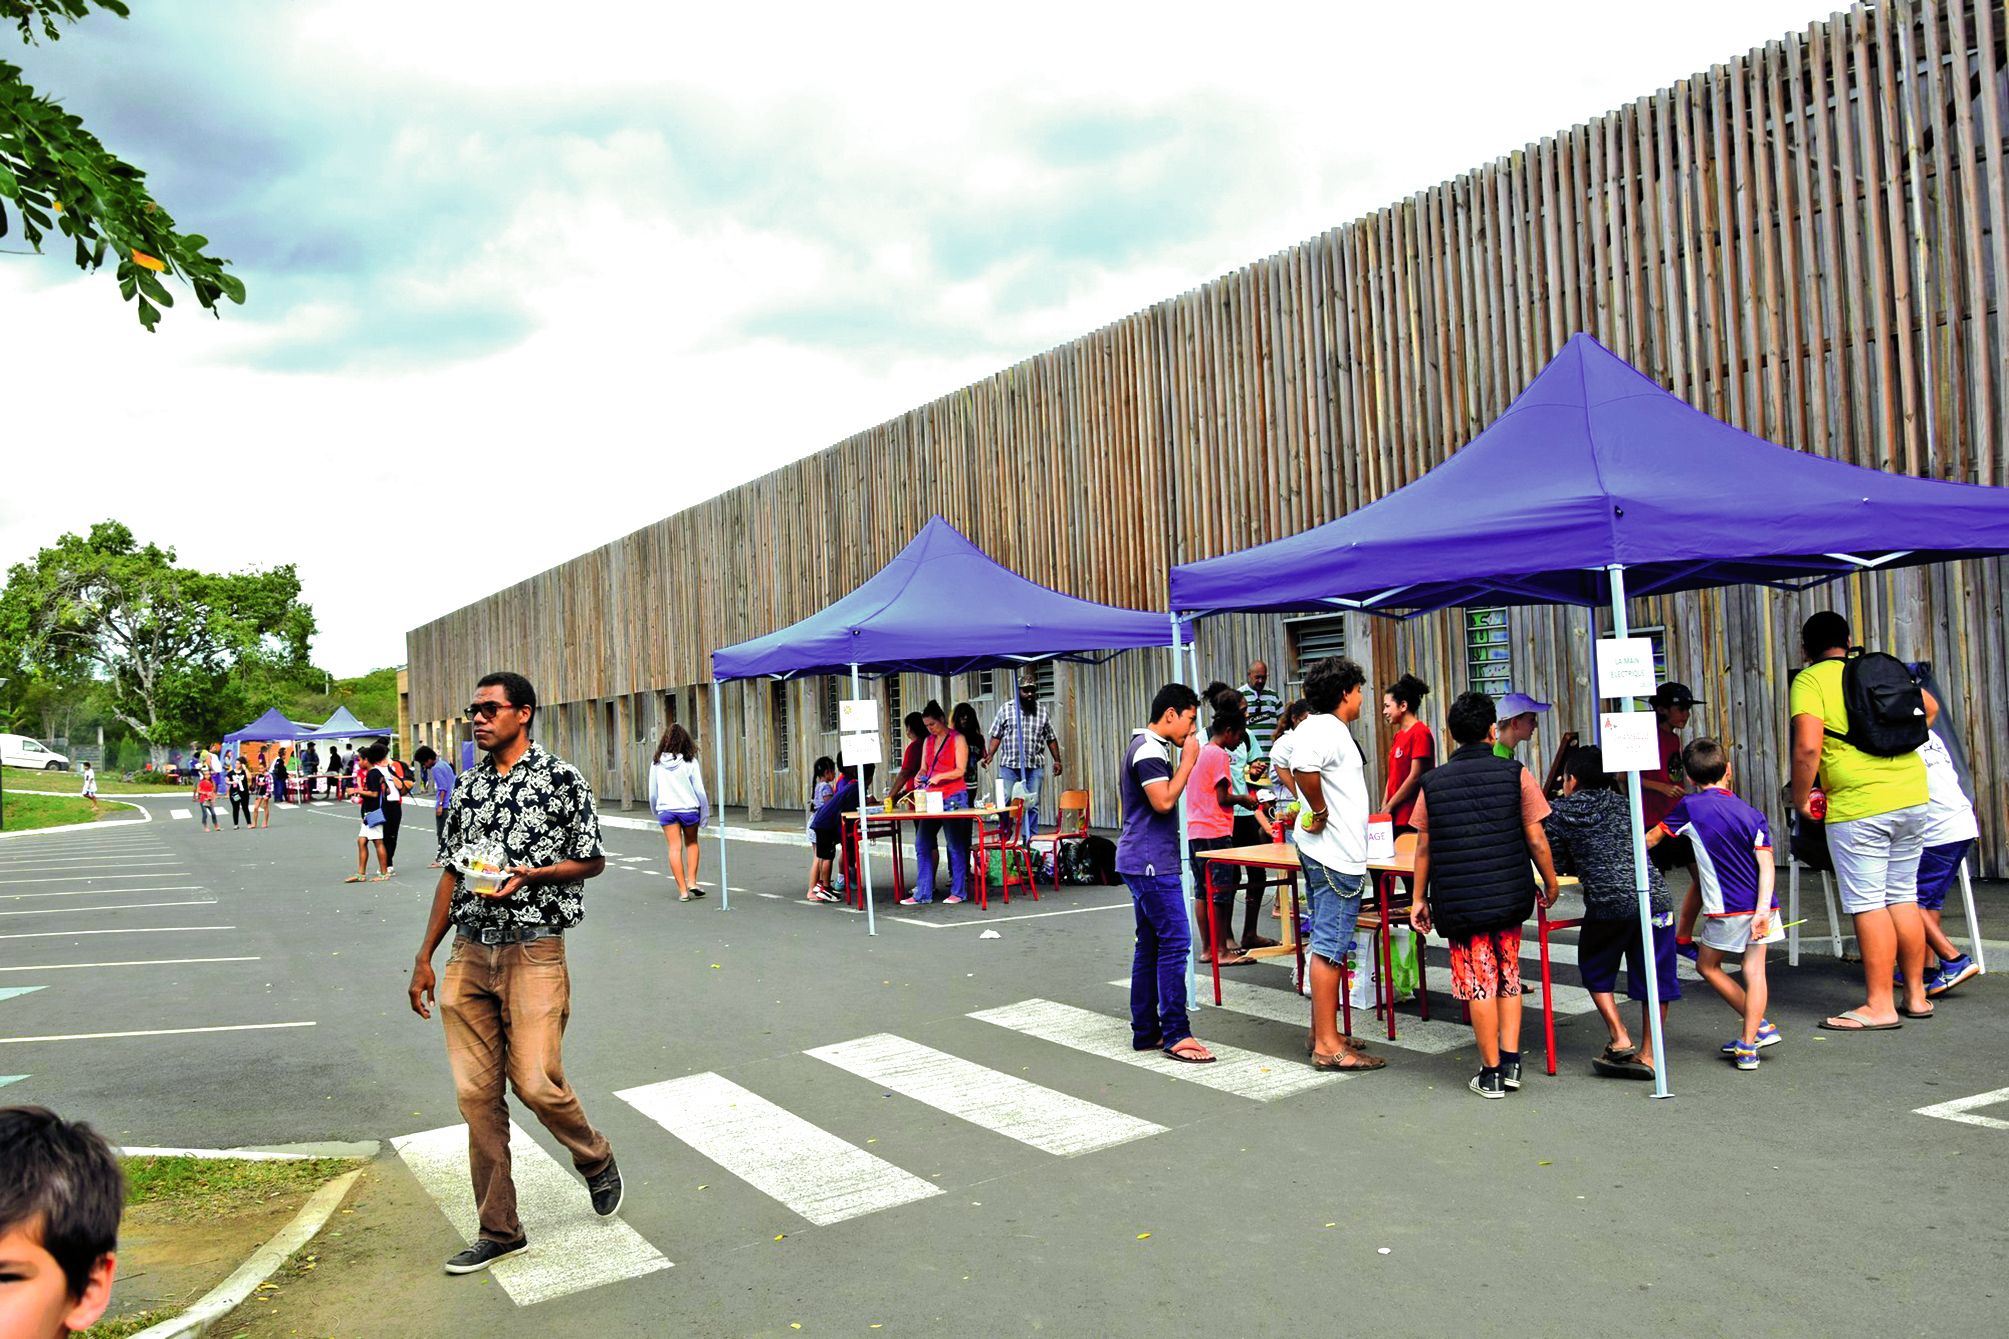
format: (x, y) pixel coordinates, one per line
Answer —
(941, 606)
(1566, 499)
(272, 727)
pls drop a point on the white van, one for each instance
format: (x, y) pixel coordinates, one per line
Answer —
(21, 751)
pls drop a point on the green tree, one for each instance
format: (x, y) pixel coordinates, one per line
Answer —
(59, 176)
(165, 639)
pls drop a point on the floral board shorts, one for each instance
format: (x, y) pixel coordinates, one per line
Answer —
(1486, 966)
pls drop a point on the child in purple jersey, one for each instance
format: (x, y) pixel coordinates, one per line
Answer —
(1733, 855)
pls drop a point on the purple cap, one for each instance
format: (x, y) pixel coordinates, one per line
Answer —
(1519, 704)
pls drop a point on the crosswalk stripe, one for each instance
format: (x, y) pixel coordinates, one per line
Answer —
(1003, 1103)
(810, 1170)
(571, 1250)
(1431, 1036)
(1250, 1074)
(1559, 952)
(180, 813)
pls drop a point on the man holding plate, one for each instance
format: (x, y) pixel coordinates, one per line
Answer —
(523, 839)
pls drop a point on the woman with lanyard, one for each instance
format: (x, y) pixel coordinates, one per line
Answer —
(945, 757)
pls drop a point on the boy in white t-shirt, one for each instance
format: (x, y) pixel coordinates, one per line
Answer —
(1950, 833)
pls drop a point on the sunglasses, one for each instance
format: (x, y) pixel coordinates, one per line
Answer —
(481, 711)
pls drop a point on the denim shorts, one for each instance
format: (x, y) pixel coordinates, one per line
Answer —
(1335, 907)
(1938, 870)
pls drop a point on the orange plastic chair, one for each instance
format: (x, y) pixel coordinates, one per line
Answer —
(1073, 826)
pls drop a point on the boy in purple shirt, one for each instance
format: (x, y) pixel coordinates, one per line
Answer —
(1733, 855)
(1148, 859)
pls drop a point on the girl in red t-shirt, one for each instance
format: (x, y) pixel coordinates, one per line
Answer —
(1413, 751)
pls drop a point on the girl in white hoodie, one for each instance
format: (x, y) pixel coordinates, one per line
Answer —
(677, 794)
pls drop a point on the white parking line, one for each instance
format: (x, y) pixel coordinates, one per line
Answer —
(180, 813)
(136, 962)
(100, 862)
(1260, 1078)
(985, 918)
(1429, 1036)
(570, 1249)
(155, 1032)
(806, 1168)
(120, 906)
(1003, 1103)
(137, 930)
(104, 892)
(1960, 1109)
(100, 878)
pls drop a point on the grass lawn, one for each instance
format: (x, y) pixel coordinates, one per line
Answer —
(27, 778)
(215, 1186)
(52, 811)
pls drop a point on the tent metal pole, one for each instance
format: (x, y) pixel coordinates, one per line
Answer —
(1185, 864)
(718, 751)
(1621, 628)
(864, 846)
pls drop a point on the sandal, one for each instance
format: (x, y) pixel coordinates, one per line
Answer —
(1361, 1060)
(353, 878)
(1197, 1055)
(683, 897)
(1618, 1055)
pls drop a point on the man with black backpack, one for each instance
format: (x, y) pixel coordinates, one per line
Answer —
(1858, 721)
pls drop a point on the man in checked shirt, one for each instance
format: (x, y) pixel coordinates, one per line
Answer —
(1020, 730)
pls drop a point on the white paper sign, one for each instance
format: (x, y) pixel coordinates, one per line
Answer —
(1631, 740)
(1625, 669)
(861, 749)
(862, 716)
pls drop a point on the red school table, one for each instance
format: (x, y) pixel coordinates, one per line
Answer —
(890, 822)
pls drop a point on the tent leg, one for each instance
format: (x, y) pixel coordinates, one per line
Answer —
(1185, 863)
(1973, 925)
(718, 751)
(864, 846)
(1621, 628)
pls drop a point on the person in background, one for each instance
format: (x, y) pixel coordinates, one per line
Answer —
(1478, 828)
(945, 758)
(1411, 752)
(1590, 835)
(1519, 716)
(279, 778)
(826, 829)
(677, 796)
(373, 795)
(240, 791)
(310, 766)
(1148, 861)
(910, 759)
(334, 771)
(1019, 731)
(1950, 834)
(823, 782)
(1733, 844)
(1279, 759)
(440, 777)
(1331, 777)
(1876, 820)
(261, 798)
(1210, 826)
(963, 720)
(61, 1192)
(205, 801)
(90, 787)
(1659, 790)
(1252, 828)
(1260, 707)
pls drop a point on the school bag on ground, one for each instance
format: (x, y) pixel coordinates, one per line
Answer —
(1886, 705)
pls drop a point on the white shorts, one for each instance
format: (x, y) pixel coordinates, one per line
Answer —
(1732, 934)
(372, 834)
(1876, 858)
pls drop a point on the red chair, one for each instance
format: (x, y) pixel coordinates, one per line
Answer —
(1391, 904)
(1006, 837)
(1544, 927)
(1072, 827)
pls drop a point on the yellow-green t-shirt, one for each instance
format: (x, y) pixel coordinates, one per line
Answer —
(1859, 785)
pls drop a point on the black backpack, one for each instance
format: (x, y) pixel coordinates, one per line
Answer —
(1886, 705)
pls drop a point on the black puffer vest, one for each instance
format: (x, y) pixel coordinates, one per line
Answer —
(1480, 878)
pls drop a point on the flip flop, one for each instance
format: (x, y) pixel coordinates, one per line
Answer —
(1618, 1055)
(1630, 1068)
(1186, 1057)
(1860, 1024)
(1916, 1013)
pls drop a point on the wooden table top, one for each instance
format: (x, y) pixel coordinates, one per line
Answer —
(1273, 855)
(914, 815)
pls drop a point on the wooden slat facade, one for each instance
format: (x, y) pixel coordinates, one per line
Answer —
(1808, 241)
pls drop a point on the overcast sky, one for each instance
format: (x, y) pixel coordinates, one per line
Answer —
(537, 275)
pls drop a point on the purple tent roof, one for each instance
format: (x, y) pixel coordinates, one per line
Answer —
(270, 728)
(942, 606)
(1597, 464)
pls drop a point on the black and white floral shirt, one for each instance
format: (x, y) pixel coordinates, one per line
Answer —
(540, 813)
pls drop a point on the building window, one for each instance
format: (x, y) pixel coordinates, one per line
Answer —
(778, 723)
(828, 700)
(1489, 652)
(895, 708)
(1312, 640)
(669, 710)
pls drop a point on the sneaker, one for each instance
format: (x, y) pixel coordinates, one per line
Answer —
(916, 901)
(821, 893)
(1768, 1035)
(1745, 1056)
(605, 1188)
(485, 1253)
(1510, 1075)
(1487, 1084)
(1950, 975)
(1686, 948)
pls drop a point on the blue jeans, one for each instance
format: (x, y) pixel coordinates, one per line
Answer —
(1029, 777)
(1158, 968)
(1335, 907)
(959, 852)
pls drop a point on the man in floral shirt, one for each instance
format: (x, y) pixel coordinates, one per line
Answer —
(507, 992)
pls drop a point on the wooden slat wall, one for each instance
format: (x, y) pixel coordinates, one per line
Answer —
(1808, 241)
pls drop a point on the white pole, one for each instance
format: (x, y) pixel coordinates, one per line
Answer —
(1186, 865)
(718, 806)
(864, 847)
(1973, 925)
(1621, 628)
